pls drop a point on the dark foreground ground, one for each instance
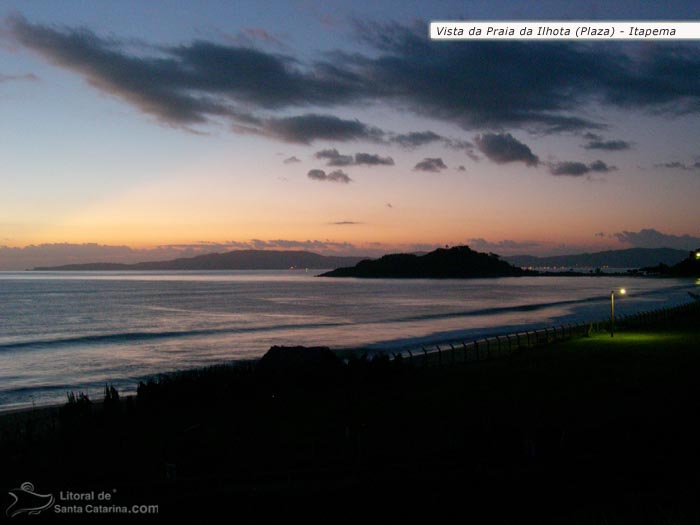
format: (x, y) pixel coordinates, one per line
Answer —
(592, 430)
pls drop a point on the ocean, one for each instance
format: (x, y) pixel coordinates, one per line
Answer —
(77, 331)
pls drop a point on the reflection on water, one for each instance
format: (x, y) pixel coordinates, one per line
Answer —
(61, 331)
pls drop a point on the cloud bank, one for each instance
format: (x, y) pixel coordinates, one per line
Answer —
(579, 169)
(595, 141)
(503, 148)
(430, 165)
(334, 158)
(334, 176)
(651, 238)
(471, 86)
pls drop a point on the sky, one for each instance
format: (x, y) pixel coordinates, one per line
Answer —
(149, 130)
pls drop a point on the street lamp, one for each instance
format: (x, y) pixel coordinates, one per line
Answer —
(612, 310)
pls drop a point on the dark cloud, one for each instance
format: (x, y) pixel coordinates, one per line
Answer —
(601, 167)
(371, 159)
(433, 165)
(672, 165)
(334, 158)
(334, 176)
(389, 205)
(316, 245)
(417, 138)
(483, 85)
(600, 234)
(679, 165)
(305, 129)
(291, 160)
(156, 86)
(503, 148)
(573, 169)
(474, 86)
(190, 84)
(481, 244)
(461, 168)
(595, 141)
(651, 238)
(346, 223)
(578, 169)
(420, 138)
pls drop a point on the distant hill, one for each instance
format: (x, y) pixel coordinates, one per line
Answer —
(458, 262)
(234, 260)
(630, 258)
(688, 267)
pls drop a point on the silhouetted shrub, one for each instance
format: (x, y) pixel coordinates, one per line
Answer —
(300, 364)
(111, 401)
(77, 407)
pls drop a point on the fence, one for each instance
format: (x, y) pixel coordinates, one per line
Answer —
(445, 354)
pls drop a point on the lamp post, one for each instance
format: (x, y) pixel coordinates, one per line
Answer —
(612, 310)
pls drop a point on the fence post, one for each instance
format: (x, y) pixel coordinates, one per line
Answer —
(453, 353)
(439, 355)
(464, 345)
(425, 356)
(476, 349)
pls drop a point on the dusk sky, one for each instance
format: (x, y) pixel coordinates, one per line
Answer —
(147, 130)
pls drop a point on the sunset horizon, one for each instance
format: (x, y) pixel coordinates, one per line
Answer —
(349, 130)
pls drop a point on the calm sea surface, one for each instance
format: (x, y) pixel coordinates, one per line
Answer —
(77, 331)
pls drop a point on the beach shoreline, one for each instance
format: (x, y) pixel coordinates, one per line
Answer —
(570, 419)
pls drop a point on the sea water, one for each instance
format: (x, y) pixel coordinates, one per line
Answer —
(77, 331)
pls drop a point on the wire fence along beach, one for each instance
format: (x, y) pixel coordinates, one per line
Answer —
(454, 352)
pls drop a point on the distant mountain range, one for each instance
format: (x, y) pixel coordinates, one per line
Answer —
(284, 259)
(459, 262)
(234, 260)
(630, 258)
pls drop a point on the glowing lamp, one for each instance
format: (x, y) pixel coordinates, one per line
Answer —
(622, 291)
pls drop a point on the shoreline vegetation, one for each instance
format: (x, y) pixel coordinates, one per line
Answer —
(590, 430)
